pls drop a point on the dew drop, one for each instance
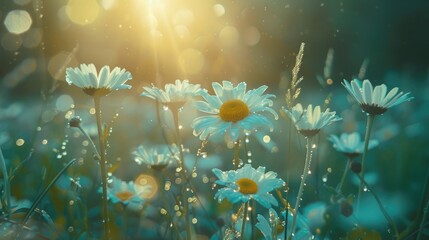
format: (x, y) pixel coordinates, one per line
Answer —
(325, 178)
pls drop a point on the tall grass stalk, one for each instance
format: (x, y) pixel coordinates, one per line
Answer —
(308, 156)
(6, 184)
(45, 191)
(103, 167)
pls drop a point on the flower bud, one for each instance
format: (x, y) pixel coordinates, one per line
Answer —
(75, 121)
(346, 208)
(356, 167)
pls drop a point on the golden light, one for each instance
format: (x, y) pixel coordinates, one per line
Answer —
(18, 21)
(192, 60)
(108, 4)
(144, 180)
(183, 17)
(228, 36)
(57, 64)
(219, 10)
(252, 36)
(82, 12)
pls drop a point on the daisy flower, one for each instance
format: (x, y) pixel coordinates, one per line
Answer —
(100, 84)
(309, 121)
(273, 227)
(179, 92)
(126, 192)
(350, 144)
(248, 183)
(156, 157)
(233, 111)
(375, 100)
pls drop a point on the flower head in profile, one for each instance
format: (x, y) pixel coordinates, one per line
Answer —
(233, 111)
(177, 93)
(123, 192)
(375, 100)
(98, 84)
(273, 227)
(248, 183)
(350, 144)
(156, 157)
(309, 121)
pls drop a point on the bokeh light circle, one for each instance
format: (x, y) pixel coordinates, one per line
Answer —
(219, 10)
(18, 21)
(144, 180)
(82, 12)
(228, 36)
(251, 36)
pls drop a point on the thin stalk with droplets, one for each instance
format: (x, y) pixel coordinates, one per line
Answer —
(175, 112)
(103, 167)
(383, 210)
(236, 160)
(243, 225)
(370, 121)
(308, 156)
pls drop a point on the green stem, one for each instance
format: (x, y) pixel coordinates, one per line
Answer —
(380, 205)
(425, 214)
(175, 111)
(246, 208)
(236, 160)
(289, 156)
(343, 178)
(103, 167)
(124, 221)
(308, 156)
(6, 183)
(418, 218)
(369, 123)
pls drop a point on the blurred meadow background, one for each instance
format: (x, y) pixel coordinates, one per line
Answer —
(252, 41)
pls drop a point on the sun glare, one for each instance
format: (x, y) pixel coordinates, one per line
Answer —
(82, 12)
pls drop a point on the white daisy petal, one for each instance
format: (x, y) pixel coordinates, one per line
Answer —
(374, 101)
(239, 111)
(310, 120)
(256, 185)
(367, 92)
(180, 92)
(86, 77)
(350, 144)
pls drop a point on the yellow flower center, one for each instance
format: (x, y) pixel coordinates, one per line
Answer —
(233, 110)
(124, 196)
(280, 227)
(247, 186)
